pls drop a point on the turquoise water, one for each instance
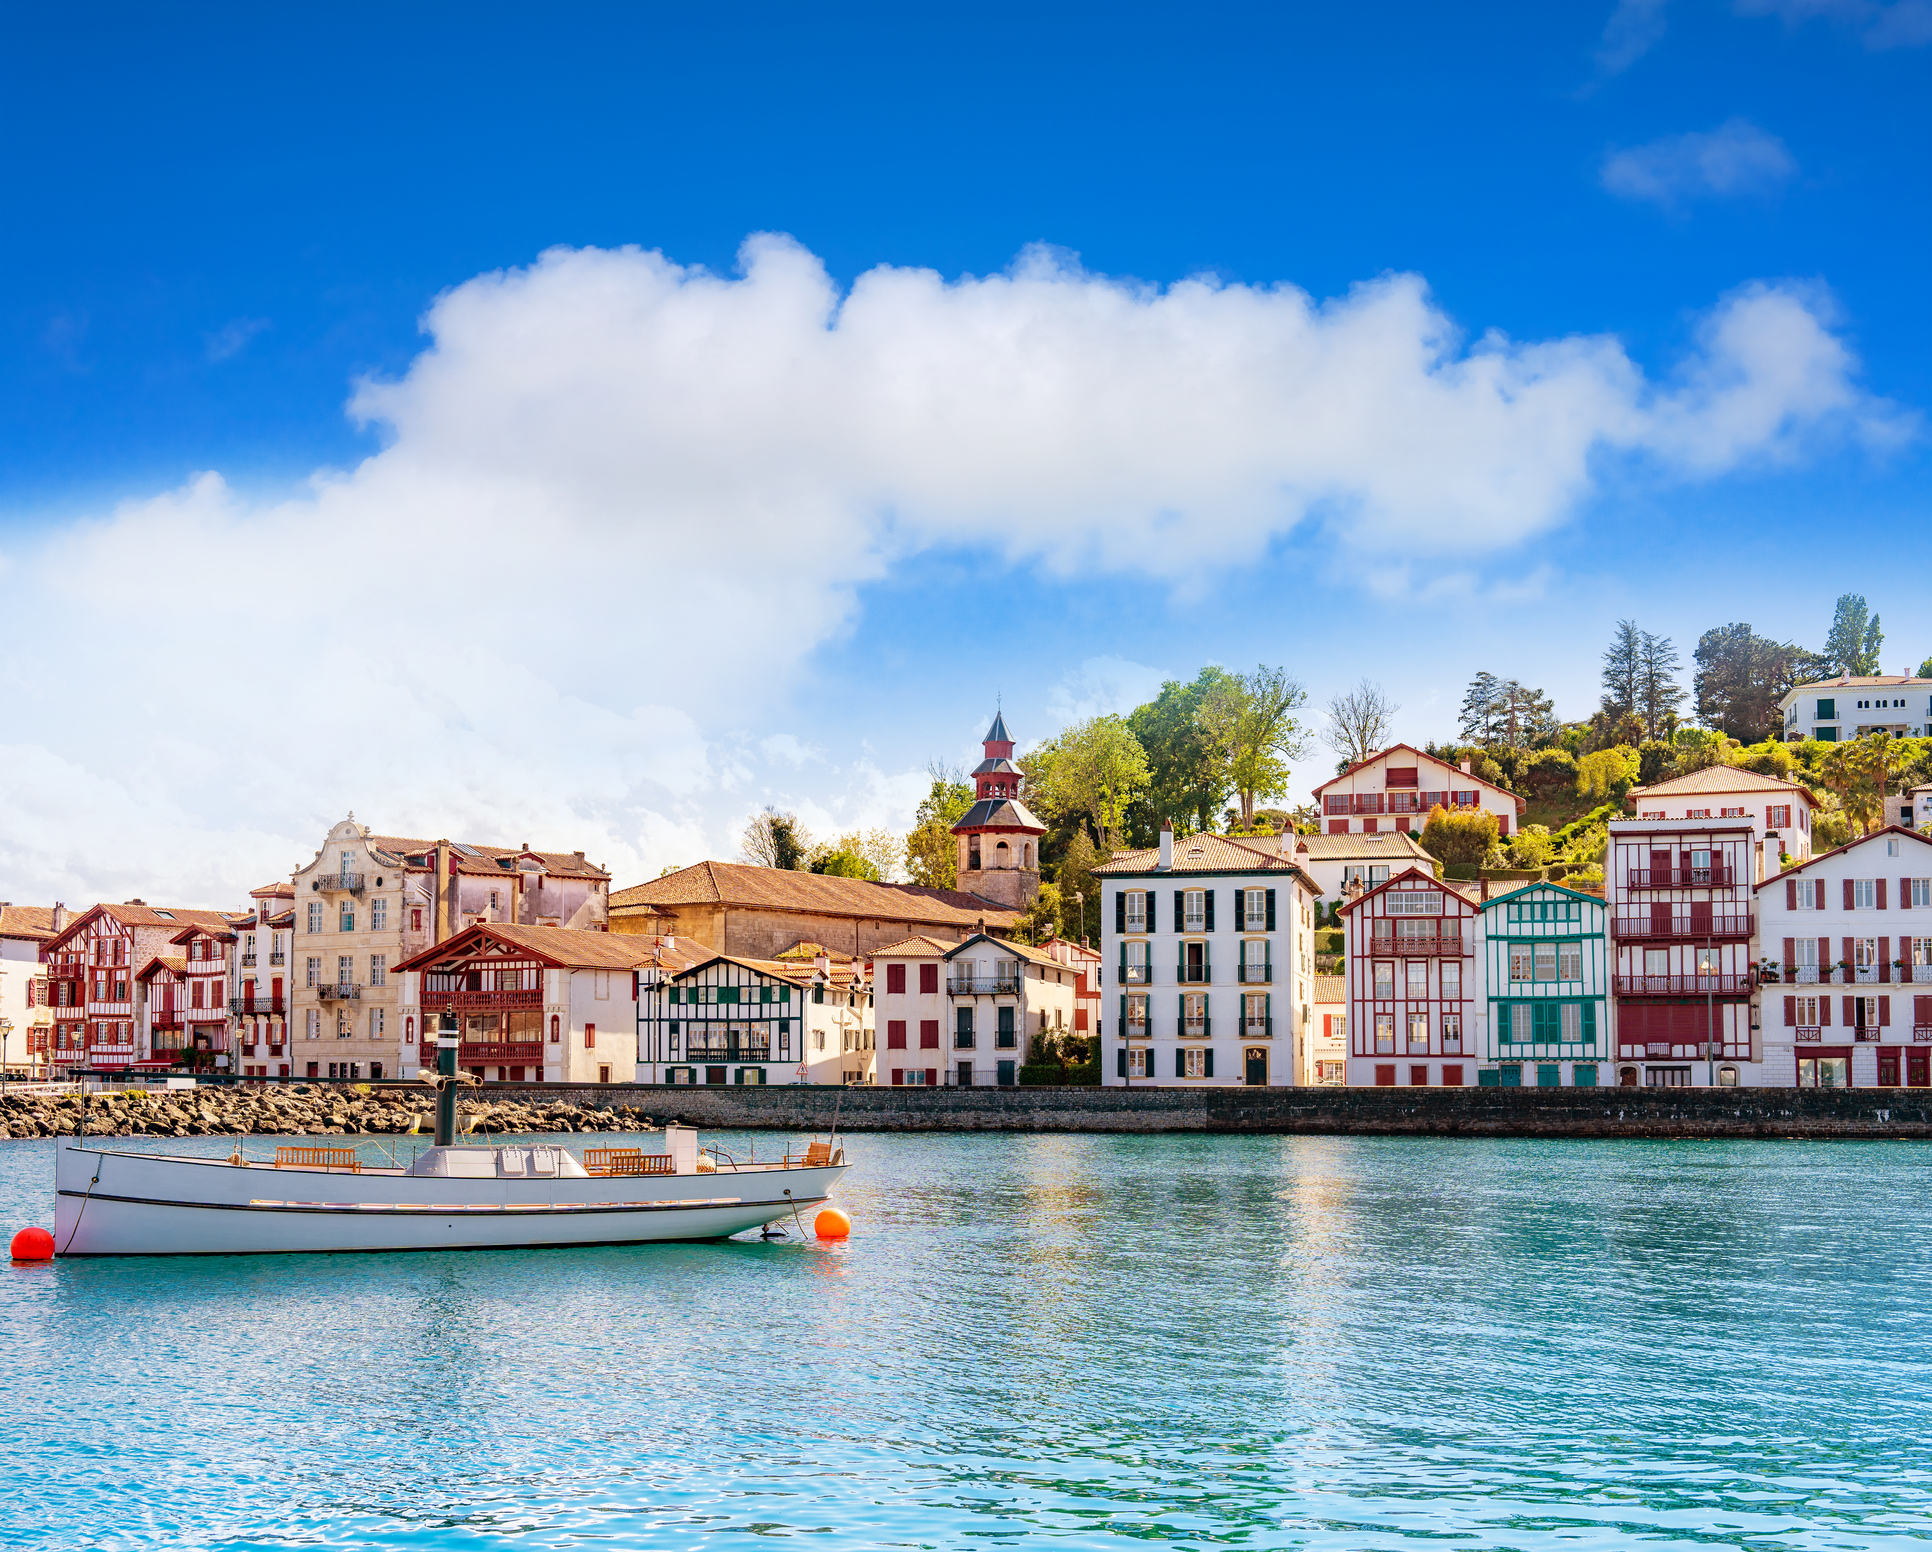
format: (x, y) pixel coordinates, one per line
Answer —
(1083, 1341)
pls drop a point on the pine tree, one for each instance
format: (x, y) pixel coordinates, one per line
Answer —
(1623, 670)
(1478, 725)
(1658, 692)
(1852, 647)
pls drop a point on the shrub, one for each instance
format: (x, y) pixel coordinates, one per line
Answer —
(1609, 773)
(1530, 847)
(1466, 836)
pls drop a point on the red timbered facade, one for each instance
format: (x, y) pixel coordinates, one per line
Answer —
(182, 1003)
(1680, 906)
(1411, 972)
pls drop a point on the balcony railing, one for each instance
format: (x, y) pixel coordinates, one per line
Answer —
(1400, 800)
(1719, 875)
(1196, 1029)
(1254, 975)
(1258, 1029)
(250, 1005)
(472, 1052)
(278, 959)
(743, 1052)
(1136, 975)
(340, 883)
(66, 972)
(339, 989)
(473, 1002)
(1683, 985)
(1922, 1033)
(1865, 1032)
(1194, 975)
(1700, 927)
(1435, 945)
(248, 961)
(1809, 1034)
(983, 986)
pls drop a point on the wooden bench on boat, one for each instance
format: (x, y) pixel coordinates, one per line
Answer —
(318, 1158)
(627, 1161)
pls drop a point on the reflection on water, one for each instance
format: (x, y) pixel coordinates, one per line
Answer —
(1332, 1342)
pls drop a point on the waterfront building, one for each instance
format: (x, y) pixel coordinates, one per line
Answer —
(1764, 805)
(752, 912)
(367, 902)
(181, 1016)
(26, 1020)
(90, 965)
(1335, 861)
(1327, 1061)
(967, 1013)
(1845, 944)
(1852, 705)
(1410, 960)
(258, 994)
(531, 1004)
(1088, 987)
(727, 1020)
(1678, 893)
(999, 836)
(1544, 989)
(1186, 1014)
(1395, 789)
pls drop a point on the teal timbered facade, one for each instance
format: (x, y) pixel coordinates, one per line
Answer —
(1545, 967)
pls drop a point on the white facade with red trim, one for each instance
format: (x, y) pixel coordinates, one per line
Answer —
(1395, 790)
(1410, 961)
(1848, 937)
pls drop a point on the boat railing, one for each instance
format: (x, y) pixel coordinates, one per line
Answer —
(318, 1158)
(627, 1161)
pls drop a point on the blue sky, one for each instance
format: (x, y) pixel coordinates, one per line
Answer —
(540, 585)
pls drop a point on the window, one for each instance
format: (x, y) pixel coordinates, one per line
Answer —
(1804, 1012)
(416, 925)
(1137, 910)
(1137, 1015)
(1451, 1038)
(315, 916)
(377, 1023)
(600, 986)
(1417, 981)
(1865, 1013)
(1384, 979)
(1194, 903)
(315, 970)
(1194, 1015)
(1571, 1028)
(1254, 913)
(1569, 961)
(1865, 957)
(1920, 954)
(314, 1030)
(1414, 902)
(1824, 1072)
(1827, 710)
(896, 983)
(1864, 894)
(346, 921)
(1520, 1031)
(1135, 958)
(1778, 816)
(1137, 1060)
(1810, 894)
(378, 915)
(556, 1029)
(1520, 955)
(1254, 1007)
(345, 970)
(493, 904)
(1451, 974)
(1656, 961)
(1196, 1058)
(1730, 813)
(379, 970)
(1384, 1034)
(1546, 961)
(1419, 1032)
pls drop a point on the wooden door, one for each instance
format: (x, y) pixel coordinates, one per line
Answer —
(1257, 1067)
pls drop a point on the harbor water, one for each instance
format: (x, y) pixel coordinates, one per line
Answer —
(1079, 1341)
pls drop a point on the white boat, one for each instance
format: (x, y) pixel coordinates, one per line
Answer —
(114, 1202)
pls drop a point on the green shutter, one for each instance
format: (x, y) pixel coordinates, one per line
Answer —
(1210, 1062)
(1122, 1053)
(1271, 910)
(1589, 1023)
(1180, 1063)
(1207, 901)
(1180, 908)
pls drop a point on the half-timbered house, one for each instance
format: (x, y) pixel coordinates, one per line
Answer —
(725, 1020)
(181, 1003)
(1544, 989)
(967, 1013)
(1410, 960)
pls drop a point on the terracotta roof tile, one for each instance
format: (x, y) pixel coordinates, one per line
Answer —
(565, 864)
(1200, 854)
(1330, 988)
(741, 884)
(1341, 848)
(1717, 778)
(571, 947)
(26, 921)
(915, 947)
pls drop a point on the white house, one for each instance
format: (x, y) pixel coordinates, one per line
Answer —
(1395, 790)
(1846, 940)
(1327, 1061)
(1911, 808)
(1835, 710)
(1765, 805)
(1371, 859)
(1211, 943)
(967, 1013)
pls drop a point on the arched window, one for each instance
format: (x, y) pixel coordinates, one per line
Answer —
(1002, 856)
(556, 1032)
(1026, 855)
(409, 1031)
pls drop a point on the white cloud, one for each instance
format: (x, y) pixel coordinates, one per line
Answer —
(618, 495)
(1099, 686)
(232, 337)
(1634, 28)
(1736, 158)
(1898, 24)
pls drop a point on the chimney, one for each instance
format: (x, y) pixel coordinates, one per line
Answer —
(1485, 888)
(1167, 846)
(60, 917)
(442, 891)
(1465, 768)
(823, 965)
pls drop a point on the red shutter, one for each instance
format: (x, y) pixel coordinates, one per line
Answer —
(1824, 1010)
(1884, 952)
(1848, 894)
(1905, 894)
(1851, 1012)
(1884, 1011)
(895, 1034)
(1922, 1010)
(1849, 951)
(1791, 1013)
(895, 978)
(1791, 956)
(1791, 894)
(1880, 888)
(1824, 959)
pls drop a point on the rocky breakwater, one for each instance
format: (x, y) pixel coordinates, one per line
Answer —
(301, 1110)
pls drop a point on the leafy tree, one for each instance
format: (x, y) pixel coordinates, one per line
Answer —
(1606, 731)
(1092, 770)
(1741, 677)
(1043, 917)
(1464, 836)
(1852, 646)
(1608, 773)
(775, 840)
(844, 864)
(932, 851)
(1699, 748)
(1925, 669)
(1548, 771)
(1251, 722)
(1658, 692)
(1187, 776)
(1860, 773)
(880, 850)
(1655, 761)
(1530, 847)
(1623, 671)
(1076, 877)
(1360, 722)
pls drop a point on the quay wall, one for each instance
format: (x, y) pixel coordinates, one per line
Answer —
(1435, 1112)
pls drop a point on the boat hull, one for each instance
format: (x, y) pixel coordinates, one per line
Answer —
(138, 1204)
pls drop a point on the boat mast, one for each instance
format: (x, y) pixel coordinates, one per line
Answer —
(447, 1041)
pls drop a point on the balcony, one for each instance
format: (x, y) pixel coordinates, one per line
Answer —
(338, 883)
(278, 959)
(1136, 975)
(248, 961)
(983, 986)
(1717, 876)
(339, 990)
(246, 1006)
(1922, 1034)
(1683, 985)
(1861, 1032)
(1809, 1034)
(66, 972)
(743, 1051)
(491, 1052)
(483, 1002)
(1396, 801)
(1254, 975)
(1729, 928)
(1436, 945)
(1258, 1029)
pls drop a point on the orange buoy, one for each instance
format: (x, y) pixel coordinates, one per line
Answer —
(829, 1224)
(38, 1245)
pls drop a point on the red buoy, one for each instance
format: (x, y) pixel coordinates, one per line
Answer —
(829, 1224)
(33, 1245)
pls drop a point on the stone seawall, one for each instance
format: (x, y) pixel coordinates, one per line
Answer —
(1467, 1112)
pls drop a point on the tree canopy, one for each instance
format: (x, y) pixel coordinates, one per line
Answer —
(1092, 770)
(1741, 677)
(1853, 643)
(1360, 722)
